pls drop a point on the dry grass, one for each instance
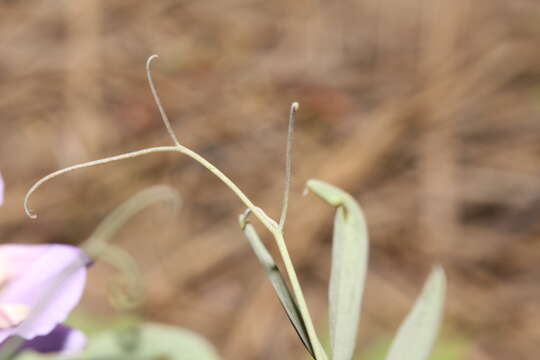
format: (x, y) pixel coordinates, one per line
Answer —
(428, 112)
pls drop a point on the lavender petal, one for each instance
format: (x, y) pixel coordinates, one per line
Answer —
(40, 268)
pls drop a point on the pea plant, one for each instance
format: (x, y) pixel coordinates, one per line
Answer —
(414, 340)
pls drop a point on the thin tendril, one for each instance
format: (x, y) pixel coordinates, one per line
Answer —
(124, 263)
(89, 164)
(268, 222)
(164, 116)
(288, 165)
(102, 235)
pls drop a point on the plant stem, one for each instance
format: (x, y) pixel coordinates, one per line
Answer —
(268, 222)
(276, 232)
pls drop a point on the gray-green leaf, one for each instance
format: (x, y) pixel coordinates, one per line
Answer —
(349, 267)
(417, 334)
(278, 282)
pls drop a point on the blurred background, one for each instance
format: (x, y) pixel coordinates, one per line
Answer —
(428, 112)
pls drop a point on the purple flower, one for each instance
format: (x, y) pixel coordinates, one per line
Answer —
(39, 286)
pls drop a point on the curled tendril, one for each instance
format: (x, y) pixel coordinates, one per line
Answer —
(85, 165)
(105, 231)
(128, 292)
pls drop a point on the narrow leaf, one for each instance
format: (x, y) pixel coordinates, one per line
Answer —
(349, 267)
(417, 334)
(278, 282)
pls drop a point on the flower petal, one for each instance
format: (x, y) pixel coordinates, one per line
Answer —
(51, 285)
(12, 315)
(62, 340)
(15, 258)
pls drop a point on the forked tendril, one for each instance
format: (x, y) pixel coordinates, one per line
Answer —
(168, 126)
(269, 223)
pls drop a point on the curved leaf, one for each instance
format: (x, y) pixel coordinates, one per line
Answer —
(278, 282)
(349, 267)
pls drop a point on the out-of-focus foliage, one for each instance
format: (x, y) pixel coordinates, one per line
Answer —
(153, 341)
(146, 341)
(418, 333)
(447, 348)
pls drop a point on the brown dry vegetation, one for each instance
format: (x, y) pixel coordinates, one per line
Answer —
(427, 111)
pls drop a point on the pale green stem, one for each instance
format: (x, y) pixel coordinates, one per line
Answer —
(320, 354)
(10, 347)
(275, 230)
(90, 164)
(269, 223)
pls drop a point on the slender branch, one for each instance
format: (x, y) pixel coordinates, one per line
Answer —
(164, 116)
(269, 223)
(288, 165)
(320, 353)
